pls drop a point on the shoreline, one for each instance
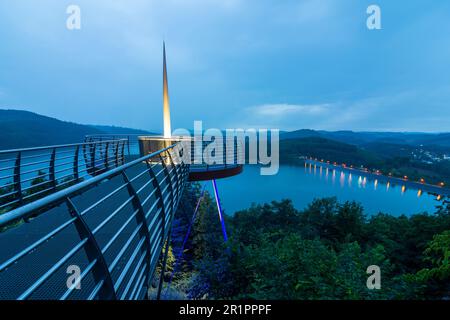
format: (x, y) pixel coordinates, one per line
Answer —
(432, 189)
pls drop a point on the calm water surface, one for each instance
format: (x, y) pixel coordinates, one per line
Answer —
(303, 185)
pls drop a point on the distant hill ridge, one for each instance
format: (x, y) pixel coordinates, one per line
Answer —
(363, 138)
(19, 129)
(23, 129)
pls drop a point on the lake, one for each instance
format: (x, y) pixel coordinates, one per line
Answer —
(303, 184)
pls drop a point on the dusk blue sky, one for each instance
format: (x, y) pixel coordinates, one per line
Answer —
(236, 63)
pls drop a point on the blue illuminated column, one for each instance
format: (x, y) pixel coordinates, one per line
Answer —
(219, 208)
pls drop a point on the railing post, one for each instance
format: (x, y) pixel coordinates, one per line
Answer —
(192, 148)
(76, 167)
(93, 251)
(117, 153)
(93, 152)
(51, 171)
(106, 155)
(145, 232)
(129, 153)
(85, 157)
(123, 153)
(236, 147)
(224, 152)
(17, 177)
(204, 145)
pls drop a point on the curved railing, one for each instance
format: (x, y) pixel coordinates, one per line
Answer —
(132, 144)
(32, 173)
(98, 239)
(228, 162)
(209, 166)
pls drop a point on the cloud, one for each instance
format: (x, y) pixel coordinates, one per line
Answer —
(298, 63)
(284, 115)
(288, 110)
(393, 112)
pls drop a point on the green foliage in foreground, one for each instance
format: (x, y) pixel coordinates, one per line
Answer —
(322, 252)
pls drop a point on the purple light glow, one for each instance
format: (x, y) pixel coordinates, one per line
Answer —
(219, 208)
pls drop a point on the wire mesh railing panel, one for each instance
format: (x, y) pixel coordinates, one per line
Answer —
(32, 249)
(110, 228)
(56, 285)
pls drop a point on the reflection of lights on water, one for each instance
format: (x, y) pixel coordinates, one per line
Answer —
(361, 180)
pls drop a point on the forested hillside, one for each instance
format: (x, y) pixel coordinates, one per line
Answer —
(23, 129)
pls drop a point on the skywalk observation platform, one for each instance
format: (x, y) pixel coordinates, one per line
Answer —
(227, 163)
(226, 160)
(104, 207)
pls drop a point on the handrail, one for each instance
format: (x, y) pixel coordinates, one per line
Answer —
(31, 173)
(24, 211)
(58, 146)
(238, 148)
(112, 227)
(132, 142)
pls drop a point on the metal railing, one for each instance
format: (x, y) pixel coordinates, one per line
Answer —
(110, 228)
(230, 155)
(132, 145)
(233, 152)
(30, 174)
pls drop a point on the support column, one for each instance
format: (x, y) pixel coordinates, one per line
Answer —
(219, 209)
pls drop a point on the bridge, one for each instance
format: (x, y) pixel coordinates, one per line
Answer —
(105, 206)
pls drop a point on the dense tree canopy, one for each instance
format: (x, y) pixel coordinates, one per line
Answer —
(321, 252)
